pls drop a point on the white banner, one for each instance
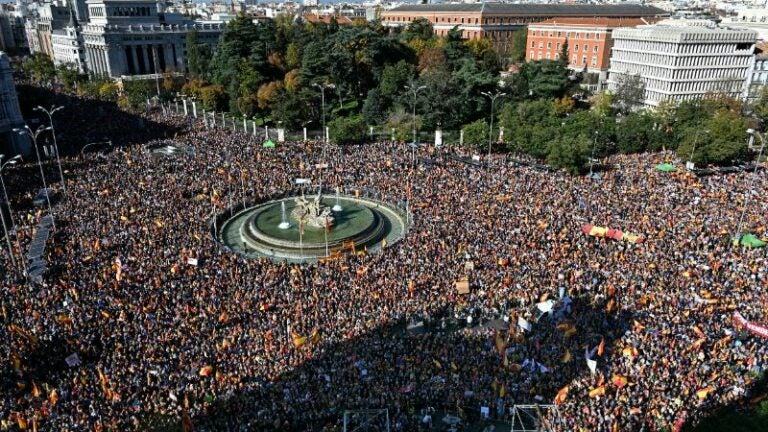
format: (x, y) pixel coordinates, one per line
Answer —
(524, 324)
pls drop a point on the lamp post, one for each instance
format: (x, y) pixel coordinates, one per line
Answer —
(751, 181)
(414, 91)
(33, 136)
(695, 141)
(492, 97)
(11, 161)
(50, 113)
(322, 88)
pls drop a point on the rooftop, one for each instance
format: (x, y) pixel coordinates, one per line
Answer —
(596, 22)
(534, 9)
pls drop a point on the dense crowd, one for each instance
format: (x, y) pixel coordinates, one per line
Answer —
(212, 345)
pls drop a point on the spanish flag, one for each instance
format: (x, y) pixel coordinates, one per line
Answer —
(298, 340)
(22, 422)
(35, 390)
(206, 371)
(596, 392)
(619, 381)
(561, 395)
(503, 390)
(703, 393)
(499, 342)
(314, 337)
(53, 397)
(601, 347)
(629, 351)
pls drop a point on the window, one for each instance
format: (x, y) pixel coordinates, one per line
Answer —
(541, 45)
(533, 33)
(594, 61)
(586, 48)
(594, 49)
(584, 60)
(558, 45)
(558, 34)
(549, 45)
(578, 35)
(531, 56)
(576, 47)
(533, 44)
(548, 56)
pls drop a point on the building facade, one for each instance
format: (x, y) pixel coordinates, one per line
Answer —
(11, 143)
(758, 75)
(498, 21)
(589, 41)
(12, 32)
(681, 60)
(68, 46)
(134, 37)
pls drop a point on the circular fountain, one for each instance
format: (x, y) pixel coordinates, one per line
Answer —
(309, 227)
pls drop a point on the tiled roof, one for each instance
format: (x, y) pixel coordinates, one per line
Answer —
(537, 9)
(597, 22)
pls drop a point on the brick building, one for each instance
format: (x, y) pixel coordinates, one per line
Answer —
(497, 21)
(589, 40)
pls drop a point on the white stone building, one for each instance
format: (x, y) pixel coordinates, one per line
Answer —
(681, 60)
(68, 46)
(136, 37)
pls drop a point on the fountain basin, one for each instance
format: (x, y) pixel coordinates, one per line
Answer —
(257, 231)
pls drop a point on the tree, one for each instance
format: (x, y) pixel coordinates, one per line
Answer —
(546, 78)
(719, 140)
(213, 97)
(420, 28)
(69, 75)
(565, 53)
(347, 130)
(39, 68)
(760, 105)
(519, 45)
(373, 109)
(197, 60)
(476, 133)
(630, 92)
(108, 91)
(570, 154)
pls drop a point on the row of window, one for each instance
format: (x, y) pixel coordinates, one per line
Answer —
(577, 35)
(466, 20)
(97, 11)
(665, 47)
(557, 46)
(676, 74)
(671, 61)
(726, 85)
(556, 56)
(131, 11)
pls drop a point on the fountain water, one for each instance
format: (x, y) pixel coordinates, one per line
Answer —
(337, 208)
(284, 224)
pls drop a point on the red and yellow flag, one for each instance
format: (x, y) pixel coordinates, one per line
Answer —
(703, 393)
(596, 392)
(562, 395)
(601, 347)
(619, 381)
(206, 370)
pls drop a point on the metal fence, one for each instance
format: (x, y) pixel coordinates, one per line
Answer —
(213, 119)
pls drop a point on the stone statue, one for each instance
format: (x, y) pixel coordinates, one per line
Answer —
(312, 213)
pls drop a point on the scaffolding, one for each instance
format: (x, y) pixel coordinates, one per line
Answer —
(535, 418)
(366, 420)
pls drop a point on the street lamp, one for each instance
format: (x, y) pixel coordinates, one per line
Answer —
(50, 114)
(33, 136)
(11, 161)
(752, 180)
(695, 141)
(414, 91)
(322, 88)
(492, 97)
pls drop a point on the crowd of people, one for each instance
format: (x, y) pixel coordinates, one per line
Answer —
(144, 322)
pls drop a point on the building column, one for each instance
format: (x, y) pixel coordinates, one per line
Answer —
(169, 63)
(107, 51)
(144, 49)
(133, 49)
(156, 59)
